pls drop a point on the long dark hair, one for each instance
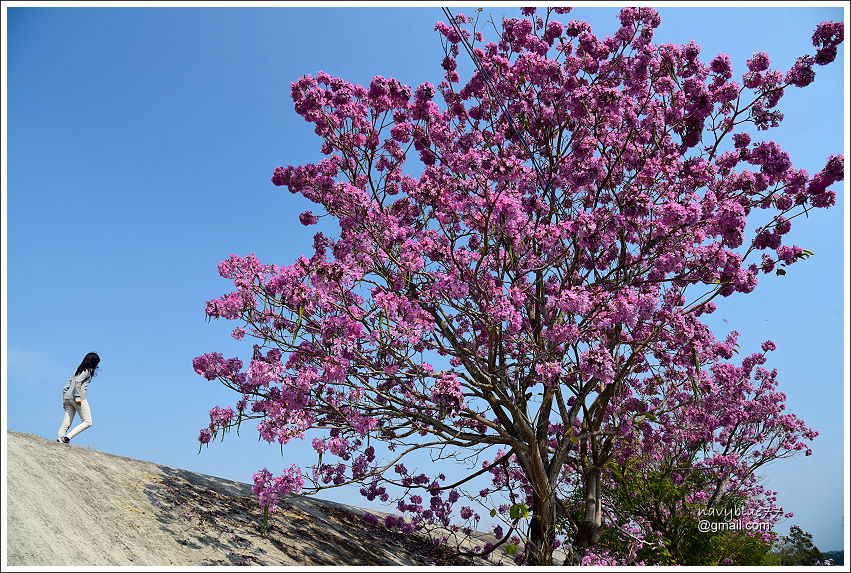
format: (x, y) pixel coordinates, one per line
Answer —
(90, 362)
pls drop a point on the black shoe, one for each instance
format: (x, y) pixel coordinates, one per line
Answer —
(65, 439)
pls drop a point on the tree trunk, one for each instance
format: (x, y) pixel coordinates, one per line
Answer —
(542, 531)
(588, 532)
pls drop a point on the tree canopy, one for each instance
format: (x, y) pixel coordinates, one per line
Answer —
(518, 283)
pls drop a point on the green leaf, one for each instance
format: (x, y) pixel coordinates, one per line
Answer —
(493, 513)
(695, 388)
(780, 272)
(514, 512)
(511, 549)
(298, 326)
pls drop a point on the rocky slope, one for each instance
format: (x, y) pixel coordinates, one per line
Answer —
(69, 505)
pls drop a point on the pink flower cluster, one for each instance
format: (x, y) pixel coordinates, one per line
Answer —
(270, 489)
(447, 393)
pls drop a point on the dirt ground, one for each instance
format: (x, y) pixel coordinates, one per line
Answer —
(122, 511)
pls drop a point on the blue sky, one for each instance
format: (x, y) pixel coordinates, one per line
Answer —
(140, 146)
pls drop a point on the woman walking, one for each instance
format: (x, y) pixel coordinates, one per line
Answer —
(74, 398)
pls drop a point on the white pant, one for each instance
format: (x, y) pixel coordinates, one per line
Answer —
(71, 408)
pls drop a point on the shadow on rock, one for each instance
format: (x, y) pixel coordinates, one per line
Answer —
(204, 512)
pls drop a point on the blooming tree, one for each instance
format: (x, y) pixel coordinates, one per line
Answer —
(519, 278)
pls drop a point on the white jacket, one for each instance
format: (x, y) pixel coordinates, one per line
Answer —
(77, 385)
